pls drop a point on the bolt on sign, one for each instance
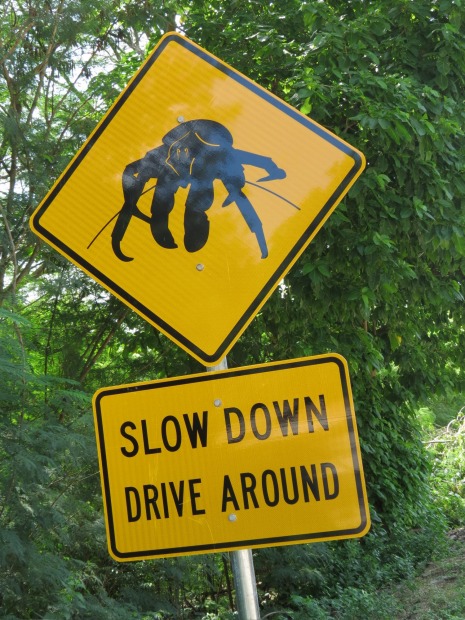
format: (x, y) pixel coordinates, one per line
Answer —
(195, 195)
(259, 456)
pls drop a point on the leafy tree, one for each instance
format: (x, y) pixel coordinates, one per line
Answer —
(55, 325)
(381, 285)
(382, 282)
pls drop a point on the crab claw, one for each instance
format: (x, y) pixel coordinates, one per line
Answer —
(279, 173)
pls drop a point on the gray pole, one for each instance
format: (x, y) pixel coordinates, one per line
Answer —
(242, 565)
(245, 585)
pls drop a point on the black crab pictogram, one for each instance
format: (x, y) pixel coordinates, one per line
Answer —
(194, 154)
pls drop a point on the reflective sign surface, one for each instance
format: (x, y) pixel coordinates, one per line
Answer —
(257, 456)
(195, 195)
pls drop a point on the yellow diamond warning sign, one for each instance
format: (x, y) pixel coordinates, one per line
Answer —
(195, 195)
(251, 457)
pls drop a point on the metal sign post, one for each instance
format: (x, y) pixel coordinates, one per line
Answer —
(242, 564)
(245, 584)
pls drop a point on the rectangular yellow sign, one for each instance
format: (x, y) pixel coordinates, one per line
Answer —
(259, 456)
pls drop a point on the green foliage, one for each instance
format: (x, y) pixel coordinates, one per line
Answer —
(330, 578)
(53, 558)
(351, 604)
(437, 593)
(447, 450)
(381, 284)
(438, 411)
